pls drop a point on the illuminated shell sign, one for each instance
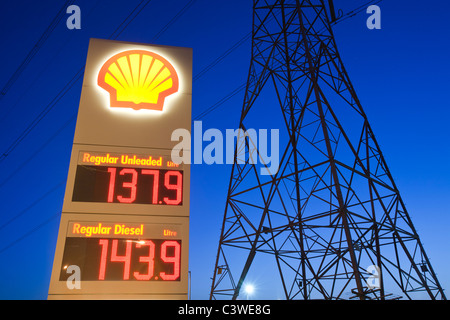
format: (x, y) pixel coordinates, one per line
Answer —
(138, 79)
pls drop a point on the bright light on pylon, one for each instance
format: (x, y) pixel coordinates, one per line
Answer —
(249, 289)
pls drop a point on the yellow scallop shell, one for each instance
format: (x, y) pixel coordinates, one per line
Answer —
(138, 79)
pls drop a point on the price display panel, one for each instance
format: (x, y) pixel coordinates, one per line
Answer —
(140, 254)
(128, 185)
(104, 259)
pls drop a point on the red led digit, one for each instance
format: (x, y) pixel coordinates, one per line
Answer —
(178, 186)
(112, 182)
(148, 259)
(103, 256)
(155, 174)
(126, 259)
(175, 260)
(131, 185)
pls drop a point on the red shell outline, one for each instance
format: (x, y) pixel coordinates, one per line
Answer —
(130, 104)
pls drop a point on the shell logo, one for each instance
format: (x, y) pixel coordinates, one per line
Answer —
(138, 79)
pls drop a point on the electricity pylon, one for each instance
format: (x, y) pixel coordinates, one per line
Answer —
(331, 220)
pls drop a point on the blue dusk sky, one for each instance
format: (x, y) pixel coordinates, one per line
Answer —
(401, 74)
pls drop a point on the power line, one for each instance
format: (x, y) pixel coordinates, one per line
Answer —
(74, 115)
(40, 149)
(223, 56)
(80, 72)
(128, 19)
(66, 88)
(200, 74)
(5, 113)
(43, 113)
(196, 77)
(70, 84)
(240, 42)
(136, 11)
(26, 235)
(354, 11)
(172, 21)
(55, 187)
(220, 102)
(37, 46)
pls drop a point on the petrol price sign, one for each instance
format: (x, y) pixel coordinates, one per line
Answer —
(124, 229)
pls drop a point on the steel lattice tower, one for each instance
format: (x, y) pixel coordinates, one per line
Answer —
(332, 209)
